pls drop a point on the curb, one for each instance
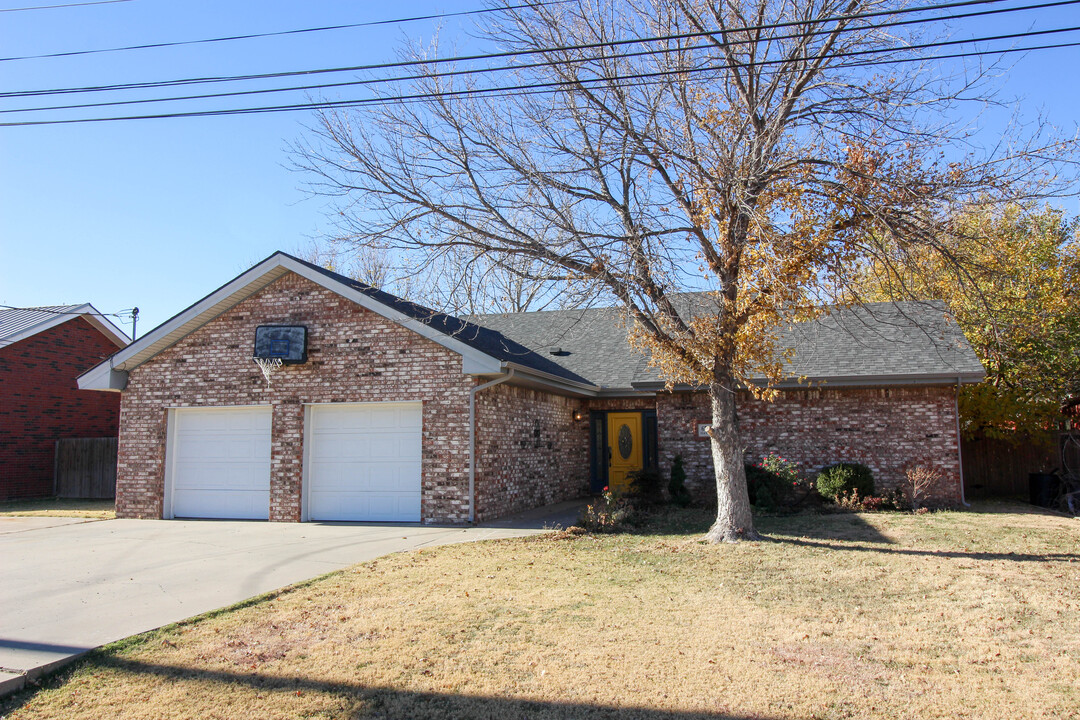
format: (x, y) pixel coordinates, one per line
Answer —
(14, 681)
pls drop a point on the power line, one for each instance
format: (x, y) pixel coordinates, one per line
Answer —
(118, 314)
(278, 33)
(497, 55)
(523, 89)
(65, 5)
(503, 68)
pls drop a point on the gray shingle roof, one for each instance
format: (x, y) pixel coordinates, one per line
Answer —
(17, 320)
(593, 342)
(480, 337)
(904, 338)
(913, 340)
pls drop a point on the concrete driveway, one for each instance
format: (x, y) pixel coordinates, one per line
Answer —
(72, 585)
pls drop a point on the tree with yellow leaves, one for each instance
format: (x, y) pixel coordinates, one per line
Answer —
(1018, 303)
(717, 169)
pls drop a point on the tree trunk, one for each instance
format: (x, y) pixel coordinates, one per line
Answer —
(734, 522)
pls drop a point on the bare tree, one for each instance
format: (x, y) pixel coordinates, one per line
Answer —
(750, 151)
(455, 281)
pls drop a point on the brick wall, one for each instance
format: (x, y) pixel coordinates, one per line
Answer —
(530, 450)
(40, 403)
(622, 404)
(885, 429)
(353, 356)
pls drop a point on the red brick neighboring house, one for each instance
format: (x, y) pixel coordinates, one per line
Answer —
(386, 411)
(42, 352)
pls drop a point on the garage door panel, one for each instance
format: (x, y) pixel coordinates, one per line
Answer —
(384, 476)
(245, 450)
(333, 477)
(203, 448)
(369, 507)
(364, 462)
(216, 420)
(216, 503)
(392, 476)
(221, 463)
(392, 505)
(196, 475)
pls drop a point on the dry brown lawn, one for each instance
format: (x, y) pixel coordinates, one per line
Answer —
(59, 507)
(949, 615)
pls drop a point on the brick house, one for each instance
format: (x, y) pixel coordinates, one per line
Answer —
(42, 351)
(387, 411)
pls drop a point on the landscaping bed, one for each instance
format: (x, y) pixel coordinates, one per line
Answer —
(859, 615)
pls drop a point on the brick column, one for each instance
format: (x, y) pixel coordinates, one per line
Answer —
(286, 461)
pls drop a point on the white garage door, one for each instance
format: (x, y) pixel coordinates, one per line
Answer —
(364, 462)
(221, 463)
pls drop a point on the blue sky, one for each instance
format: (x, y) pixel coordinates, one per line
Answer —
(158, 213)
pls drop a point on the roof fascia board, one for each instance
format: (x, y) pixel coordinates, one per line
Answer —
(86, 311)
(853, 381)
(965, 378)
(103, 377)
(552, 381)
(115, 334)
(485, 365)
(624, 393)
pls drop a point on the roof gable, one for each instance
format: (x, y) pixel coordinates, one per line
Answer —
(483, 351)
(20, 323)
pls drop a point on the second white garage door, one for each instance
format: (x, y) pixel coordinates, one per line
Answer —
(363, 462)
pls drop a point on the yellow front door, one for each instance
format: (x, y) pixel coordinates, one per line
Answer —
(624, 449)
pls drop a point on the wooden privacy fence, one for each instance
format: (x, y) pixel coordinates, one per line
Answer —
(85, 468)
(997, 468)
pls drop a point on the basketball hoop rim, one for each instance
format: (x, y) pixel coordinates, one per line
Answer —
(268, 366)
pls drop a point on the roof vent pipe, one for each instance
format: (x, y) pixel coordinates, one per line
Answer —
(472, 437)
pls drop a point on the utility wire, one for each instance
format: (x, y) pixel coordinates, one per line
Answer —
(118, 314)
(500, 55)
(65, 5)
(523, 89)
(278, 33)
(528, 66)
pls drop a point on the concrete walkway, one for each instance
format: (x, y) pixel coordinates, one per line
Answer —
(71, 585)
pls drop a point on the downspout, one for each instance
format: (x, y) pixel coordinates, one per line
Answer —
(959, 450)
(472, 437)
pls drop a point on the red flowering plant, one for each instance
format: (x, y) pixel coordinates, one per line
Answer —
(783, 468)
(610, 513)
(776, 483)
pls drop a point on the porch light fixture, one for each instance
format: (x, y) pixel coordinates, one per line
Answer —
(578, 416)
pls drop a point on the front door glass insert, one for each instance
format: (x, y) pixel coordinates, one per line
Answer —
(626, 442)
